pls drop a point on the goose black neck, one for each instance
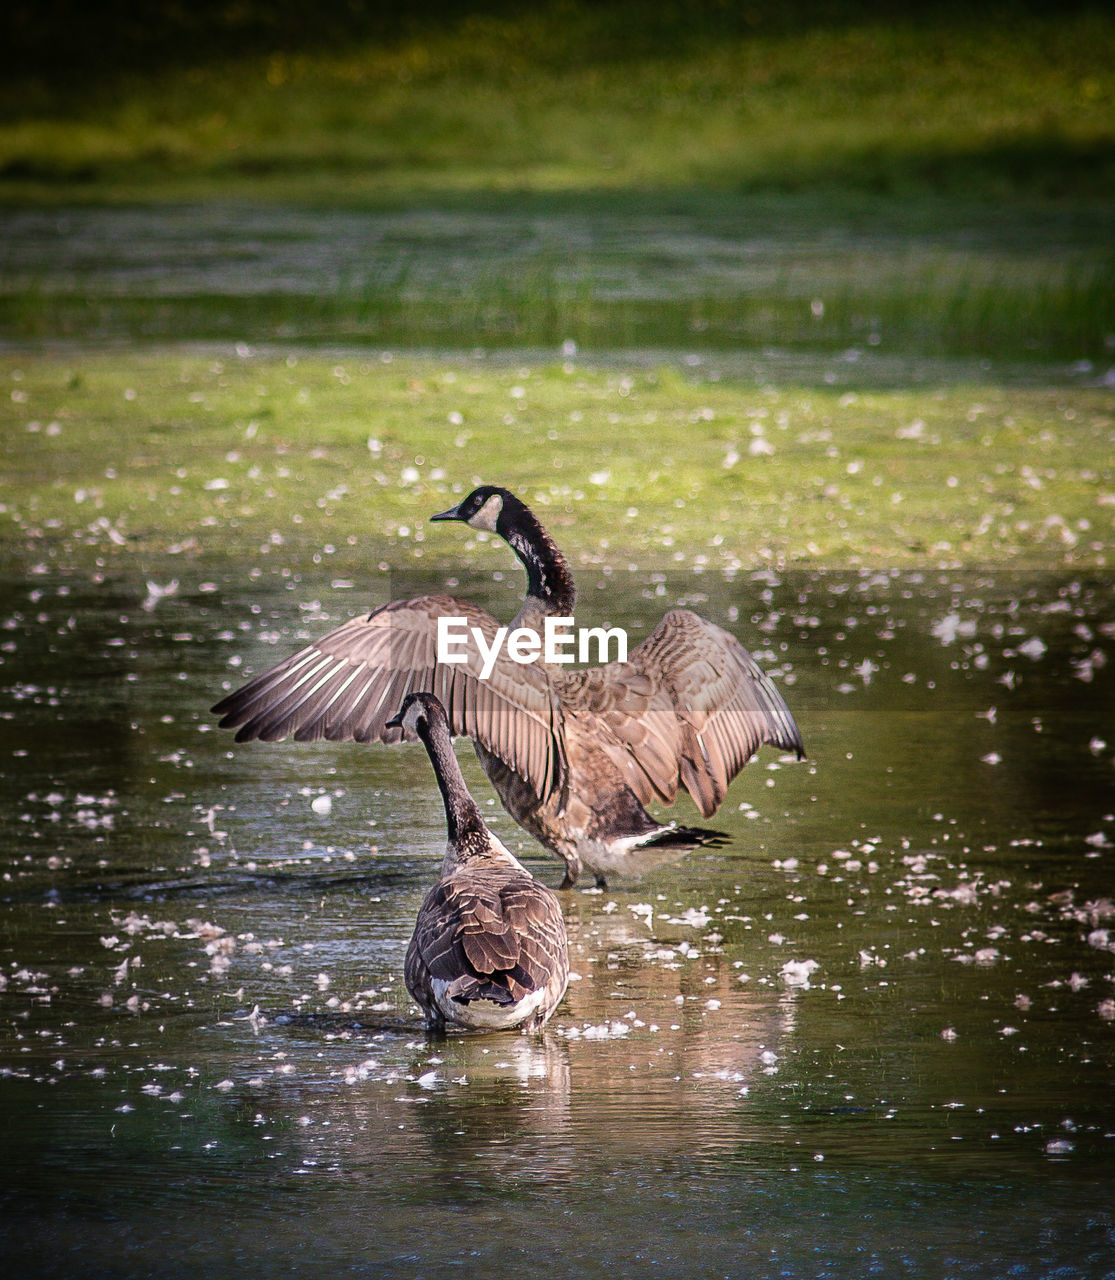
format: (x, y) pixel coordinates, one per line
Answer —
(548, 576)
(462, 817)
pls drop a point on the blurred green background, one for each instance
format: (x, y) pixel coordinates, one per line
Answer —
(890, 233)
(934, 182)
(379, 101)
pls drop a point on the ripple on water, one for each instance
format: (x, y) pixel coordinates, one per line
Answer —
(875, 1028)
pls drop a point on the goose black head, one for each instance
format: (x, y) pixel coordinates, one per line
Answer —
(484, 508)
(498, 511)
(418, 712)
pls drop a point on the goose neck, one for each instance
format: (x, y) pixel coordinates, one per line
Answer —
(548, 576)
(462, 817)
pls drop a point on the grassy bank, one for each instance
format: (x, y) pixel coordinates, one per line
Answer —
(257, 460)
(438, 101)
(827, 185)
(807, 175)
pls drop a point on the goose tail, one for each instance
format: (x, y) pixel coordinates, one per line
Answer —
(675, 837)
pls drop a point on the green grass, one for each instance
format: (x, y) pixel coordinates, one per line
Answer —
(804, 175)
(997, 101)
(215, 459)
(830, 200)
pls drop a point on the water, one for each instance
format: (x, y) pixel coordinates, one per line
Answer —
(872, 1036)
(725, 275)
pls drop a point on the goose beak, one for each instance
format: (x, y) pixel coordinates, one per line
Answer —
(454, 513)
(396, 721)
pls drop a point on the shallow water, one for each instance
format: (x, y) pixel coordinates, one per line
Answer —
(875, 1034)
(725, 275)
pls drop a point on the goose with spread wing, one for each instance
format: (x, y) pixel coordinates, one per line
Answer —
(574, 755)
(489, 949)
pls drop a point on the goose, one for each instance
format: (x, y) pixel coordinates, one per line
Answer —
(574, 755)
(489, 949)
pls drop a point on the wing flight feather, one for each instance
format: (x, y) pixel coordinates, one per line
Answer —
(689, 708)
(349, 683)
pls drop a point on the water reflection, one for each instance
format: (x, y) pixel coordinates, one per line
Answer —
(893, 989)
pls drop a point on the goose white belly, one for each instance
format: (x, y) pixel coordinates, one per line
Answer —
(629, 856)
(486, 1014)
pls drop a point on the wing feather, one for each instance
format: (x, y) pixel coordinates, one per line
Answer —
(689, 708)
(348, 684)
(721, 693)
(489, 935)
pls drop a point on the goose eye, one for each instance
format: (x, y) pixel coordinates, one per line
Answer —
(487, 513)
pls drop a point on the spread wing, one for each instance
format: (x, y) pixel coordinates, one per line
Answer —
(348, 684)
(690, 707)
(488, 940)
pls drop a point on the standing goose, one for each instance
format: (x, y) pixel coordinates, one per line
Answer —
(489, 948)
(575, 756)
